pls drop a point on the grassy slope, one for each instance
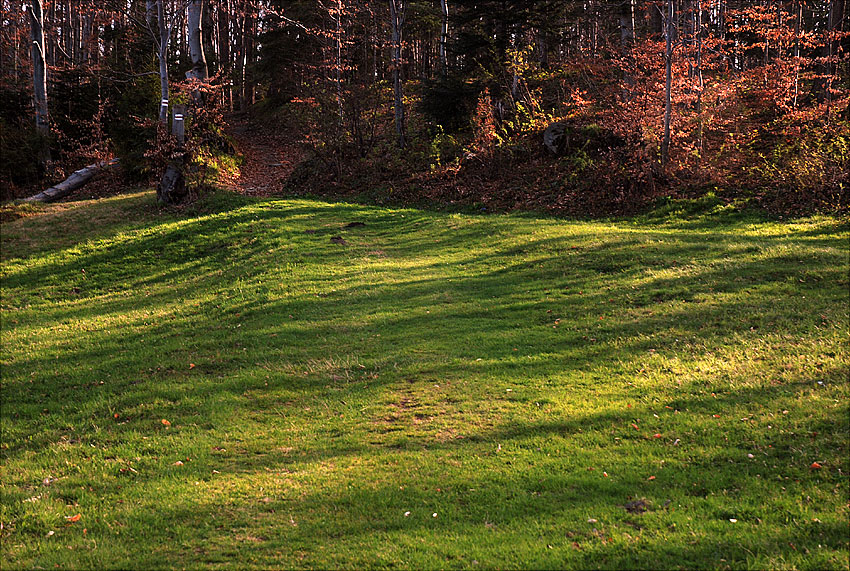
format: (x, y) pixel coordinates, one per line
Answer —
(517, 377)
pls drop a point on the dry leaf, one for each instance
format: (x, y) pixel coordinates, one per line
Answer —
(815, 466)
(73, 518)
(165, 422)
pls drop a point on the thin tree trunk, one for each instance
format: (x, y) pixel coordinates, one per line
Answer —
(668, 86)
(39, 67)
(241, 41)
(797, 51)
(444, 35)
(397, 8)
(162, 55)
(836, 18)
(701, 84)
(627, 22)
(339, 61)
(224, 51)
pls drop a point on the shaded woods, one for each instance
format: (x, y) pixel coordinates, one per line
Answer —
(441, 101)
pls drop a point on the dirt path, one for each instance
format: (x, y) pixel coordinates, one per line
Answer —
(269, 160)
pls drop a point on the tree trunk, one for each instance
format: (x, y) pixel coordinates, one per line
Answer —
(444, 35)
(338, 63)
(834, 25)
(162, 54)
(627, 22)
(668, 86)
(700, 83)
(224, 51)
(397, 8)
(797, 27)
(39, 67)
(70, 184)
(199, 69)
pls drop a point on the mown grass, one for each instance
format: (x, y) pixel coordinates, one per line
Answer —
(441, 391)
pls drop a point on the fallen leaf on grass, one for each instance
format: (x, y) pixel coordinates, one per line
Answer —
(191, 365)
(651, 477)
(73, 518)
(657, 435)
(165, 422)
(635, 426)
(815, 466)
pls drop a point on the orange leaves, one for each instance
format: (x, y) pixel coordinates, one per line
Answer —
(165, 423)
(73, 518)
(191, 365)
(657, 435)
(815, 466)
(651, 478)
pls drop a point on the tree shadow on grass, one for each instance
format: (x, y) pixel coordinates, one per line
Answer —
(231, 360)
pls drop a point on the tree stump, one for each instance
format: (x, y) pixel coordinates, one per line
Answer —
(172, 188)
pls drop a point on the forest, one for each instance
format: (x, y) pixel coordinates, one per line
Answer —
(573, 107)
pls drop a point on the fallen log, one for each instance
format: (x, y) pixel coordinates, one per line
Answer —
(76, 180)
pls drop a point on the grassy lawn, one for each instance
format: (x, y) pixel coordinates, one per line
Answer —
(229, 387)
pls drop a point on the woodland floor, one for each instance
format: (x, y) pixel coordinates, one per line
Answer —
(268, 161)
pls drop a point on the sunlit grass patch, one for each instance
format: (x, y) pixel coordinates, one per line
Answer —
(230, 386)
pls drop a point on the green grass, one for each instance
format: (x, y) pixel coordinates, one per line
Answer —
(525, 379)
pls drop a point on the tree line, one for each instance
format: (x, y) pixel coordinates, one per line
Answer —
(679, 84)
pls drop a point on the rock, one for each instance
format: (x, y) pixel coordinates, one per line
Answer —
(556, 138)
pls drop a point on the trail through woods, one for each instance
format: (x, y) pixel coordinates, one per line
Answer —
(268, 161)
